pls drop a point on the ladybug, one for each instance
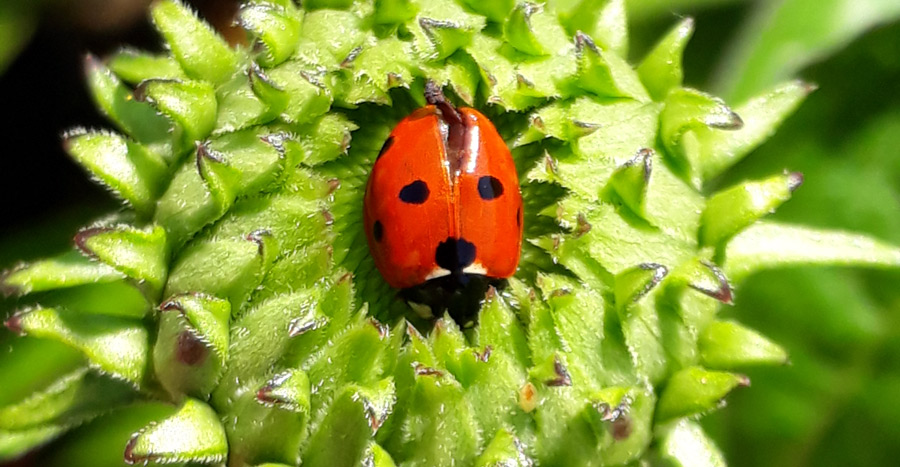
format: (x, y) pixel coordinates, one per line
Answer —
(442, 207)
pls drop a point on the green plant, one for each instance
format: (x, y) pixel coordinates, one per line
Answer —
(231, 312)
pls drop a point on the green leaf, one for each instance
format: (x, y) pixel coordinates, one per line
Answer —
(14, 444)
(762, 114)
(200, 51)
(606, 74)
(703, 276)
(687, 110)
(191, 105)
(251, 420)
(500, 329)
(141, 254)
(533, 31)
(72, 399)
(686, 445)
(288, 391)
(732, 210)
(275, 98)
(622, 421)
(270, 326)
(503, 450)
(192, 344)
(393, 11)
(441, 28)
(631, 179)
(230, 268)
(633, 284)
(604, 20)
(70, 269)
(497, 10)
(694, 390)
(102, 441)
(769, 245)
(617, 246)
(356, 414)
(257, 158)
(434, 435)
(134, 66)
(388, 64)
(131, 170)
(782, 40)
(728, 345)
(336, 4)
(194, 200)
(661, 70)
(291, 220)
(239, 106)
(120, 298)
(29, 366)
(306, 99)
(376, 456)
(114, 345)
(276, 27)
(329, 37)
(136, 119)
(193, 433)
(325, 139)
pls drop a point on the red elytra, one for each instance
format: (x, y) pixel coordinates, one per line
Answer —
(443, 198)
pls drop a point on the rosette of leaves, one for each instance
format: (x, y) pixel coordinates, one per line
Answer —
(230, 313)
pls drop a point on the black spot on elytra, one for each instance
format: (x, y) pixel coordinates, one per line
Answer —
(489, 188)
(384, 147)
(454, 254)
(415, 193)
(378, 231)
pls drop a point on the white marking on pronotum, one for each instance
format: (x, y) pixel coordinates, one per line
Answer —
(437, 272)
(475, 268)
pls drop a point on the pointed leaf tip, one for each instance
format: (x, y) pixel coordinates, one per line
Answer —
(92, 64)
(631, 179)
(141, 254)
(686, 445)
(190, 105)
(633, 284)
(722, 293)
(795, 179)
(661, 70)
(131, 170)
(289, 391)
(734, 209)
(276, 27)
(688, 111)
(518, 30)
(767, 245)
(194, 433)
(605, 73)
(112, 344)
(504, 450)
(719, 150)
(202, 53)
(14, 324)
(728, 345)
(8, 289)
(695, 390)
